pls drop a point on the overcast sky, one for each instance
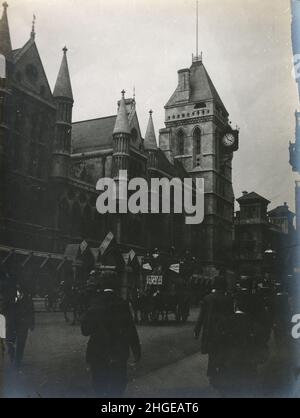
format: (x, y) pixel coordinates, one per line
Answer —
(116, 44)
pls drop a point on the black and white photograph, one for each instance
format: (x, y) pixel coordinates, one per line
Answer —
(149, 201)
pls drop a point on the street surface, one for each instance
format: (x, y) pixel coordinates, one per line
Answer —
(171, 366)
(54, 362)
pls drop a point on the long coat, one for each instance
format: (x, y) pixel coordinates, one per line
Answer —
(111, 329)
(214, 319)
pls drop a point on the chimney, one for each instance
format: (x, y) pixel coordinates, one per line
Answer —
(244, 193)
(184, 79)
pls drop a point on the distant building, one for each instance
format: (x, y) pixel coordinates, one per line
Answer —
(259, 232)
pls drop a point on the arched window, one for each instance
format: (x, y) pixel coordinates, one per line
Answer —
(63, 216)
(2, 66)
(180, 142)
(197, 141)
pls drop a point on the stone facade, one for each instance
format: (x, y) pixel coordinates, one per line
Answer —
(261, 235)
(52, 164)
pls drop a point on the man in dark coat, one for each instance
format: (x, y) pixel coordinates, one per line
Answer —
(214, 318)
(24, 321)
(112, 333)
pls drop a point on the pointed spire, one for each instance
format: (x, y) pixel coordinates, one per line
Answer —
(32, 34)
(63, 87)
(122, 124)
(5, 42)
(150, 138)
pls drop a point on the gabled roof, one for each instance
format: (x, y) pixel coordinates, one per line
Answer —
(92, 135)
(253, 196)
(18, 53)
(29, 55)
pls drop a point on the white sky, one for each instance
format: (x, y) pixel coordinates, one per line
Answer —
(116, 44)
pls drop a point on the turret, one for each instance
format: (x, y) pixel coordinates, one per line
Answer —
(63, 97)
(150, 143)
(121, 139)
(5, 42)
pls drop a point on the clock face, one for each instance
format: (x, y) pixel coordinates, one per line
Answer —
(228, 140)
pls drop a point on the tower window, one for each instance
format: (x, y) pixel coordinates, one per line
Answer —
(199, 105)
(197, 141)
(180, 143)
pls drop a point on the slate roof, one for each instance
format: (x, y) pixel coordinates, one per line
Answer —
(63, 86)
(252, 196)
(92, 135)
(280, 210)
(201, 86)
(122, 124)
(150, 138)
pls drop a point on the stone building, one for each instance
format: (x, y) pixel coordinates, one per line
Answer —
(196, 120)
(260, 234)
(50, 164)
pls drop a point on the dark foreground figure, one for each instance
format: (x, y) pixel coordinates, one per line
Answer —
(112, 334)
(18, 310)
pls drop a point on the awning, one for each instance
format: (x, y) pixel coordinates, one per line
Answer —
(26, 256)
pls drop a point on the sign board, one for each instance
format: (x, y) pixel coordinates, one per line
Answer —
(106, 242)
(174, 267)
(147, 266)
(154, 280)
(83, 246)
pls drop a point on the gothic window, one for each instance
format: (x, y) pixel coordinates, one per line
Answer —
(197, 146)
(2, 66)
(180, 142)
(63, 216)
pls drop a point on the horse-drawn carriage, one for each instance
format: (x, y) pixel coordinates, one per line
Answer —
(164, 291)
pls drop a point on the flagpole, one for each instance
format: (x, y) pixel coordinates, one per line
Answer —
(197, 27)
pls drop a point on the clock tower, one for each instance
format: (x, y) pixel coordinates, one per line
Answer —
(198, 136)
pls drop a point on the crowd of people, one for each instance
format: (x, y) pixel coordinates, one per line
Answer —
(236, 328)
(235, 324)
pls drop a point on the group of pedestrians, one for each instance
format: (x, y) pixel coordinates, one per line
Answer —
(235, 331)
(235, 326)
